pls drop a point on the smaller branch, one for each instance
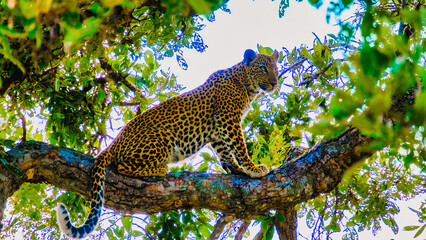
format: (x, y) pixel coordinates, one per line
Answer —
(287, 230)
(318, 229)
(317, 75)
(154, 230)
(260, 234)
(291, 67)
(24, 127)
(122, 104)
(220, 225)
(242, 230)
(317, 38)
(49, 71)
(116, 77)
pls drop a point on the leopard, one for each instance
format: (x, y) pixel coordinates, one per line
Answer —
(179, 127)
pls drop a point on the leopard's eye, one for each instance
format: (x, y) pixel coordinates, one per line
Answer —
(264, 69)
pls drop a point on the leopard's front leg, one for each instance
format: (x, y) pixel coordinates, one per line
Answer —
(232, 137)
(227, 159)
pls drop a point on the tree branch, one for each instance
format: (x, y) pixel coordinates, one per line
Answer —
(287, 230)
(242, 230)
(284, 71)
(220, 225)
(8, 82)
(317, 171)
(317, 75)
(260, 234)
(114, 75)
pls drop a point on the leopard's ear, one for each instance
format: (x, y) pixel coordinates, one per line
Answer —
(275, 55)
(249, 56)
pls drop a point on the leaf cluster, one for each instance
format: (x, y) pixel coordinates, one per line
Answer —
(422, 219)
(72, 63)
(387, 65)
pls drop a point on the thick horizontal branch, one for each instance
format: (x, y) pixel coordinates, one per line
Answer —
(317, 171)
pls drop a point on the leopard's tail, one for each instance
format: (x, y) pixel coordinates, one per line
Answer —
(97, 196)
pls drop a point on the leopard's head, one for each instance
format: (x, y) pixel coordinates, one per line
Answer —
(261, 70)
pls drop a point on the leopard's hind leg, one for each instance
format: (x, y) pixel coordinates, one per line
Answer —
(146, 159)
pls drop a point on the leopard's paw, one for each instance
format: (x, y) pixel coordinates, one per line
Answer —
(257, 171)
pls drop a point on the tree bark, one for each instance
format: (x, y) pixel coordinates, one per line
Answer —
(317, 171)
(287, 230)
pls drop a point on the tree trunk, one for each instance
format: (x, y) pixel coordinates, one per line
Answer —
(287, 230)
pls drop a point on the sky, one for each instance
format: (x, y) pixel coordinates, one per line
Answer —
(256, 22)
(249, 24)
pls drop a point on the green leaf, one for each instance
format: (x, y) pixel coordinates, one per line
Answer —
(27, 8)
(394, 226)
(174, 215)
(119, 232)
(127, 222)
(74, 34)
(265, 223)
(420, 231)
(310, 221)
(280, 217)
(270, 233)
(101, 95)
(305, 53)
(333, 226)
(342, 105)
(187, 217)
(373, 63)
(410, 228)
(203, 167)
(201, 6)
(261, 49)
(204, 230)
(57, 84)
(316, 3)
(347, 2)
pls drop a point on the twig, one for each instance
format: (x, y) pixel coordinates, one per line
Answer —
(24, 127)
(220, 225)
(260, 234)
(316, 36)
(128, 104)
(291, 67)
(317, 75)
(116, 77)
(242, 230)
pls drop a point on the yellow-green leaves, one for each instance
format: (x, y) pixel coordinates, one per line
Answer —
(75, 33)
(7, 53)
(203, 7)
(422, 220)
